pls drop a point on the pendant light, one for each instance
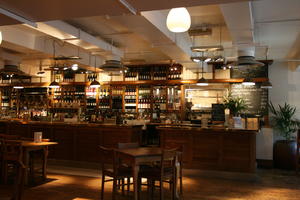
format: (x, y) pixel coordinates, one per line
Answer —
(248, 82)
(95, 83)
(18, 87)
(0, 37)
(178, 20)
(54, 84)
(202, 81)
(267, 84)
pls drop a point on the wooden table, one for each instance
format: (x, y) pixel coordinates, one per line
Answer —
(135, 157)
(29, 146)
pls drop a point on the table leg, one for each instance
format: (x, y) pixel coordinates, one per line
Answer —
(135, 169)
(45, 158)
(26, 163)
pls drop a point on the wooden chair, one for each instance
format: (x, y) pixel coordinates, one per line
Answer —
(127, 146)
(13, 154)
(111, 167)
(165, 171)
(298, 152)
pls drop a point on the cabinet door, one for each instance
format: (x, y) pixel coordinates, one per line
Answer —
(112, 136)
(87, 143)
(18, 129)
(64, 150)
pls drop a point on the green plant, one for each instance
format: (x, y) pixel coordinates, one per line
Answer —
(283, 120)
(234, 104)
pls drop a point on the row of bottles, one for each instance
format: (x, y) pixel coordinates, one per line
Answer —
(144, 104)
(130, 99)
(92, 77)
(117, 91)
(160, 73)
(131, 75)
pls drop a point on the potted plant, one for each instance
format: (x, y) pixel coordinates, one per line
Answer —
(236, 105)
(283, 120)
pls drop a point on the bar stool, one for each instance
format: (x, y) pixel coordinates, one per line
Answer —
(112, 167)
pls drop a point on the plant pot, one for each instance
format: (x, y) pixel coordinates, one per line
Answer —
(284, 154)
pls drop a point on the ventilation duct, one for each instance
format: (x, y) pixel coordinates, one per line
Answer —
(112, 66)
(246, 57)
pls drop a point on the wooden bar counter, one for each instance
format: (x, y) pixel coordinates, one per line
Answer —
(76, 141)
(213, 148)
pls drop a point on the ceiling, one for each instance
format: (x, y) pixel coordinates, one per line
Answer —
(144, 37)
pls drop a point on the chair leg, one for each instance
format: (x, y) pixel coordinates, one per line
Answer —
(161, 189)
(5, 172)
(45, 156)
(123, 186)
(152, 188)
(128, 184)
(115, 185)
(102, 186)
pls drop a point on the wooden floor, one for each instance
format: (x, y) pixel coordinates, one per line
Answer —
(85, 185)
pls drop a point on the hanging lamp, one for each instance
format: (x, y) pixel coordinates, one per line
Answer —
(0, 37)
(54, 84)
(178, 20)
(202, 81)
(95, 83)
(267, 84)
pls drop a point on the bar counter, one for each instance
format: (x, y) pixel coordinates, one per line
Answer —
(76, 141)
(213, 148)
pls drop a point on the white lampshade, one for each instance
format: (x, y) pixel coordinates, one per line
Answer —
(0, 37)
(178, 20)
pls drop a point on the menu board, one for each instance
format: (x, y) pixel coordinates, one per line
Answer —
(255, 97)
(247, 71)
(217, 112)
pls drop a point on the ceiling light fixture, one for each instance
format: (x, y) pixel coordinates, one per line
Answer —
(74, 67)
(248, 82)
(202, 81)
(54, 84)
(178, 20)
(207, 48)
(95, 83)
(18, 87)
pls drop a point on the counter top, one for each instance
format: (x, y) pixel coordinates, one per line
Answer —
(67, 123)
(212, 128)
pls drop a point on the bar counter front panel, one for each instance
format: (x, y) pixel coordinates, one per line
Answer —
(209, 149)
(76, 142)
(213, 148)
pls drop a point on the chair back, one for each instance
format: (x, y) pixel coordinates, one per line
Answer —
(168, 160)
(12, 151)
(108, 158)
(128, 145)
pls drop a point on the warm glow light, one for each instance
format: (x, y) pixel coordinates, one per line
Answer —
(178, 20)
(75, 67)
(0, 37)
(248, 83)
(202, 84)
(18, 87)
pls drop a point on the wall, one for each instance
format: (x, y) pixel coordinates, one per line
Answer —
(286, 86)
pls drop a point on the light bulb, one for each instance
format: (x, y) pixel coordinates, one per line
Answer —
(178, 20)
(75, 67)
